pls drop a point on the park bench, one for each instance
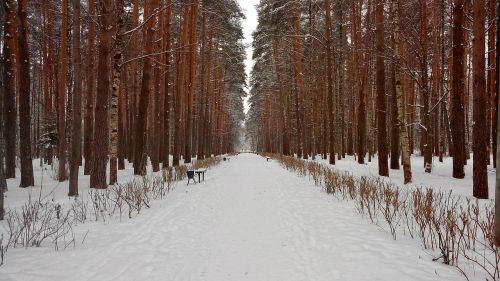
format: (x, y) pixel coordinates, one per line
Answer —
(201, 172)
(268, 158)
(191, 175)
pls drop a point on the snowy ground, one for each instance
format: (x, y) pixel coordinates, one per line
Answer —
(250, 220)
(440, 178)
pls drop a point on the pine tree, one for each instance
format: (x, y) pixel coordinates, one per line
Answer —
(90, 82)
(383, 168)
(9, 74)
(116, 83)
(403, 133)
(457, 88)
(27, 178)
(480, 139)
(329, 73)
(77, 102)
(141, 134)
(101, 128)
(61, 95)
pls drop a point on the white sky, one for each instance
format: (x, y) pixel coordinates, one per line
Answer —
(249, 25)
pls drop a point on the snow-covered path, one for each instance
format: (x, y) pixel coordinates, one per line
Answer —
(250, 220)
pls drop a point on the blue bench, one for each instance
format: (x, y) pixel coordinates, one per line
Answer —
(190, 176)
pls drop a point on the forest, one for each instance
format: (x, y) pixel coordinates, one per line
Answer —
(388, 107)
(88, 81)
(378, 79)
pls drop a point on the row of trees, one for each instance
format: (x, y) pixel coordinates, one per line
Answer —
(85, 81)
(384, 77)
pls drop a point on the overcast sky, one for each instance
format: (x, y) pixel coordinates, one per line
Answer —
(249, 25)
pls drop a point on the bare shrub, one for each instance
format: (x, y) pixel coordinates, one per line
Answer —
(451, 226)
(35, 222)
(3, 249)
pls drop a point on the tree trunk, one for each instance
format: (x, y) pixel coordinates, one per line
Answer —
(3, 180)
(101, 130)
(480, 138)
(134, 75)
(9, 74)
(403, 133)
(167, 105)
(61, 100)
(192, 79)
(90, 77)
(24, 99)
(497, 185)
(181, 71)
(299, 76)
(492, 69)
(425, 111)
(383, 168)
(77, 103)
(141, 134)
(341, 78)
(203, 83)
(395, 143)
(329, 80)
(361, 116)
(116, 83)
(457, 88)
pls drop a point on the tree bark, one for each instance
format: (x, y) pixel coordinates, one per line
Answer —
(90, 77)
(395, 143)
(457, 88)
(101, 130)
(167, 105)
(27, 178)
(77, 103)
(329, 80)
(480, 138)
(135, 82)
(61, 96)
(425, 93)
(492, 70)
(361, 116)
(9, 74)
(496, 231)
(141, 134)
(116, 83)
(181, 73)
(3, 180)
(403, 133)
(383, 168)
(192, 80)
(299, 76)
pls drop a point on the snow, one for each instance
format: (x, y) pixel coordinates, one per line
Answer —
(440, 177)
(249, 220)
